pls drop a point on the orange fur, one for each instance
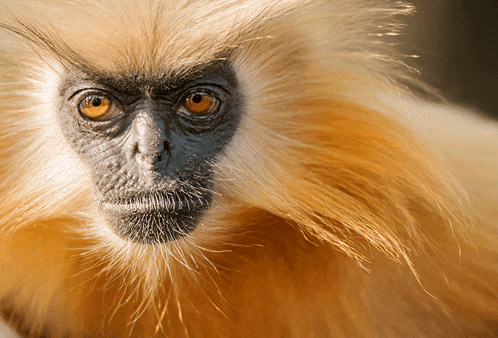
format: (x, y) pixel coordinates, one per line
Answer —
(339, 210)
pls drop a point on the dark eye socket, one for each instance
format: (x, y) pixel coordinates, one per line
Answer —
(98, 106)
(200, 104)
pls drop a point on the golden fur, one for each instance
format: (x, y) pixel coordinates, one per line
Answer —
(340, 209)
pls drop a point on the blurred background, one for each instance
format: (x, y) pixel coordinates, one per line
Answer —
(458, 44)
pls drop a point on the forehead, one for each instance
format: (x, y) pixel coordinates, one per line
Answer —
(171, 38)
(220, 73)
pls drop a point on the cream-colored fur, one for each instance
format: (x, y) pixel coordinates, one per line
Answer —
(343, 207)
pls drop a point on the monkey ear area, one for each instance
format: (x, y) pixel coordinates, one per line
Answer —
(98, 106)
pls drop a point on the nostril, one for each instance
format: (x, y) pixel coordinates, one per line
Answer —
(150, 152)
(164, 150)
(135, 149)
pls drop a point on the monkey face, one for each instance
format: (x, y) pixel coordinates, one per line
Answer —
(150, 144)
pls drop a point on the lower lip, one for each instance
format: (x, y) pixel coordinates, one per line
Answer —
(151, 204)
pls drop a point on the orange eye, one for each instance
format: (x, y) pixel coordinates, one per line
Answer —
(200, 104)
(98, 107)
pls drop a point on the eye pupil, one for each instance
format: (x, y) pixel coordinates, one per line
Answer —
(98, 107)
(197, 98)
(96, 101)
(201, 104)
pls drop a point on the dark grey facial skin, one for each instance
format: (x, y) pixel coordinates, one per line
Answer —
(151, 164)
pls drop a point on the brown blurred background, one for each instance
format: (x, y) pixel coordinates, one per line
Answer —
(458, 44)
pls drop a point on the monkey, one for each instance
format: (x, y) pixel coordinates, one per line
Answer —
(245, 168)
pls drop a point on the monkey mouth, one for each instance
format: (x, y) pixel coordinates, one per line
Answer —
(153, 202)
(156, 217)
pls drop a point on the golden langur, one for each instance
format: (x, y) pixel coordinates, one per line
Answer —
(245, 168)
